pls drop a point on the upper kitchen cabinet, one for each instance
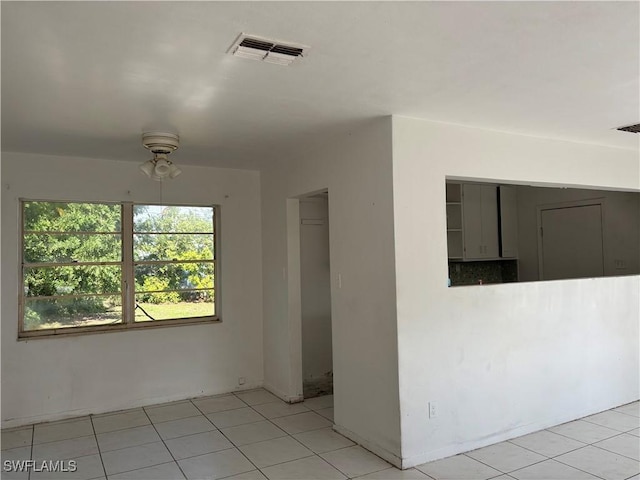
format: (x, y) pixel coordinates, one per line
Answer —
(480, 228)
(481, 221)
(508, 221)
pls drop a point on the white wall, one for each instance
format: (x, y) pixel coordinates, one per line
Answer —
(315, 283)
(46, 379)
(356, 169)
(621, 227)
(501, 360)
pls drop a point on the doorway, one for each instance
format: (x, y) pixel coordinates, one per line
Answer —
(570, 241)
(315, 296)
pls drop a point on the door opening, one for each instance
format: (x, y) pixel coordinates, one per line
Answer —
(315, 292)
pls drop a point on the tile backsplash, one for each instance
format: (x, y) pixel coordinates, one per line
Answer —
(492, 271)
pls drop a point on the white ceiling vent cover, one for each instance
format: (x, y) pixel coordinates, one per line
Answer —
(266, 50)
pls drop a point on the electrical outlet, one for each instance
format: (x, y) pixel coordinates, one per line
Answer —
(241, 380)
(433, 410)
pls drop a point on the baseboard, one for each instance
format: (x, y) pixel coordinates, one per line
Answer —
(451, 450)
(283, 396)
(448, 451)
(374, 448)
(142, 402)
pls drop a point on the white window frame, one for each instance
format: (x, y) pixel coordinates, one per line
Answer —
(127, 264)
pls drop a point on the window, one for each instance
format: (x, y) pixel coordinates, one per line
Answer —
(97, 266)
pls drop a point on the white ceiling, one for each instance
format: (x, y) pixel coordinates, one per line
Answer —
(87, 78)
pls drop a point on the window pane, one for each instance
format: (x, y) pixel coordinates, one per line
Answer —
(68, 248)
(53, 281)
(71, 217)
(172, 219)
(173, 276)
(174, 305)
(79, 311)
(171, 246)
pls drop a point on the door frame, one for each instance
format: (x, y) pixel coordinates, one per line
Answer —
(570, 204)
(294, 292)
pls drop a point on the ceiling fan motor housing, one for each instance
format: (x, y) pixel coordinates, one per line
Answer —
(159, 142)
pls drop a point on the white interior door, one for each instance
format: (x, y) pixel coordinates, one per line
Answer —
(571, 240)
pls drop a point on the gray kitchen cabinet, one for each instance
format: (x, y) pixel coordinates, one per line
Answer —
(508, 222)
(481, 222)
(480, 225)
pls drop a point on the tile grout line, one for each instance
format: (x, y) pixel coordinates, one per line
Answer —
(142, 468)
(570, 451)
(65, 439)
(579, 469)
(33, 435)
(544, 455)
(546, 459)
(615, 453)
(228, 439)
(151, 424)
(240, 424)
(329, 463)
(429, 477)
(480, 461)
(132, 446)
(508, 473)
(313, 454)
(368, 451)
(166, 421)
(206, 453)
(624, 413)
(165, 445)
(95, 435)
(287, 434)
(605, 426)
(526, 466)
(137, 444)
(571, 438)
(562, 463)
(235, 447)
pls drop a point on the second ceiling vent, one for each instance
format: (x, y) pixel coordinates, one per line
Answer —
(270, 51)
(630, 128)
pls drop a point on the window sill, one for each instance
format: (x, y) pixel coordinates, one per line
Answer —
(76, 331)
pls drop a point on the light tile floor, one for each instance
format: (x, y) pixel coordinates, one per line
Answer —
(255, 436)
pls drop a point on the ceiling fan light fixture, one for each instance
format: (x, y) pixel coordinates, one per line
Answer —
(174, 171)
(161, 145)
(162, 167)
(147, 168)
(159, 168)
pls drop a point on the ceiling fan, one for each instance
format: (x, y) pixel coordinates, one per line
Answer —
(161, 145)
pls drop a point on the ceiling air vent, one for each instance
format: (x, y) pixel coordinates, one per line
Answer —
(270, 51)
(630, 128)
